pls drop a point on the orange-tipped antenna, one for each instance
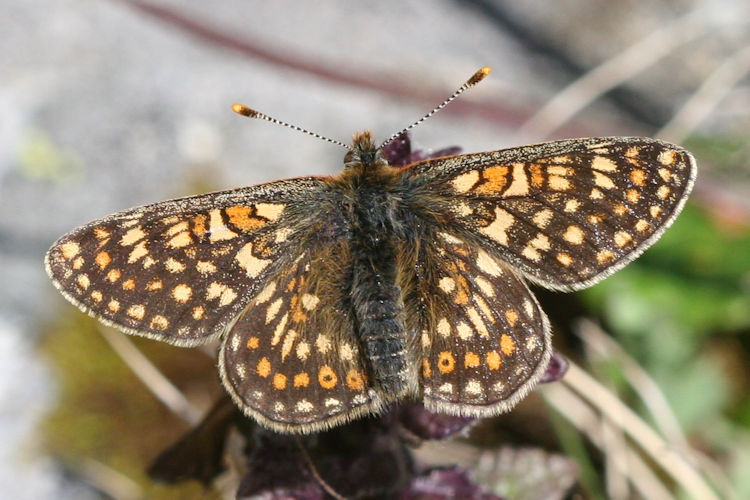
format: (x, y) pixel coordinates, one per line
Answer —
(475, 78)
(241, 109)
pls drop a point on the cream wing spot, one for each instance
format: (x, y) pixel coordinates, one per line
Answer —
(250, 263)
(136, 311)
(266, 293)
(132, 236)
(487, 264)
(444, 327)
(603, 164)
(69, 250)
(270, 211)
(217, 230)
(520, 184)
(542, 218)
(574, 235)
(182, 293)
(464, 182)
(447, 284)
(273, 309)
(498, 229)
(310, 301)
(138, 252)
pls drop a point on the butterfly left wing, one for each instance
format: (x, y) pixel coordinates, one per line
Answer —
(182, 270)
(565, 214)
(293, 361)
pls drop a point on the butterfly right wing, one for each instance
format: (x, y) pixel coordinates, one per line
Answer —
(483, 340)
(182, 270)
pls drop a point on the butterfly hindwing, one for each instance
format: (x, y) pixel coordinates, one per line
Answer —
(293, 360)
(567, 213)
(181, 270)
(485, 341)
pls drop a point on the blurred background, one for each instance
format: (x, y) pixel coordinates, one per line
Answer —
(110, 104)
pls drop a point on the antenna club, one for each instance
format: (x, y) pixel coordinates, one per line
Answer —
(479, 75)
(241, 109)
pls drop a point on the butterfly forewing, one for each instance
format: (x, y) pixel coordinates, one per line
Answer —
(485, 341)
(293, 360)
(566, 213)
(181, 270)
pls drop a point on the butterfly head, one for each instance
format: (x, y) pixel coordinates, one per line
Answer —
(364, 153)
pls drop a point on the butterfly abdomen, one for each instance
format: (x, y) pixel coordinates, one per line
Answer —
(376, 297)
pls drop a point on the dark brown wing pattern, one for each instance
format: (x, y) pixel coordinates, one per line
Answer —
(182, 270)
(566, 214)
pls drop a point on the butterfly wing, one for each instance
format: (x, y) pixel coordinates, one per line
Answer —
(565, 214)
(484, 341)
(292, 361)
(182, 270)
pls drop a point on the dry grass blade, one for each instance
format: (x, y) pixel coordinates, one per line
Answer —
(611, 73)
(610, 407)
(587, 421)
(714, 88)
(152, 378)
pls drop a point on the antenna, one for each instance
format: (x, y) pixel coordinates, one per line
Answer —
(241, 109)
(475, 78)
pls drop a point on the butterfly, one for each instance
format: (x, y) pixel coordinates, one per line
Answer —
(335, 297)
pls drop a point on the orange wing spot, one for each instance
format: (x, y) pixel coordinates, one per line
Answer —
(199, 225)
(128, 284)
(642, 226)
(102, 260)
(279, 382)
(301, 380)
(462, 296)
(620, 209)
(426, 369)
(292, 283)
(471, 360)
(537, 175)
(512, 316)
(633, 196)
(253, 343)
(446, 362)
(495, 179)
(507, 345)
(327, 377)
(494, 361)
(239, 215)
(638, 177)
(299, 316)
(354, 380)
(113, 306)
(264, 367)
